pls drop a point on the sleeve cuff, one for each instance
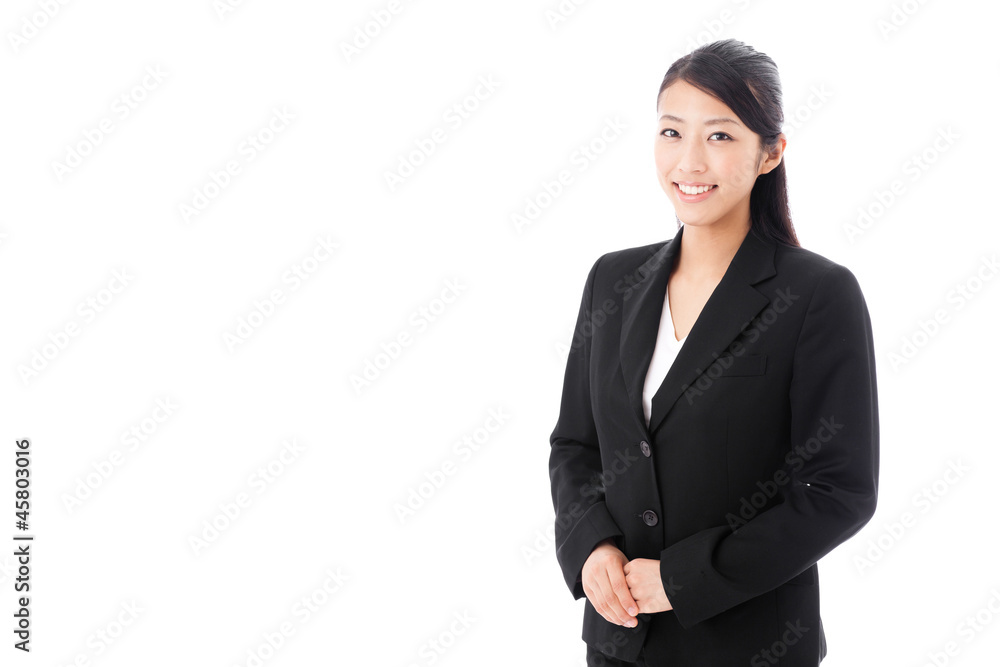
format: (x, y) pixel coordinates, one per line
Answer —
(593, 527)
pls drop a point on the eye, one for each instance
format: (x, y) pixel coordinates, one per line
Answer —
(723, 135)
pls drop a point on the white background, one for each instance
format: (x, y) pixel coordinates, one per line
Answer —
(480, 545)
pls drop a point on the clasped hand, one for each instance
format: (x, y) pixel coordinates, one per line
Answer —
(619, 588)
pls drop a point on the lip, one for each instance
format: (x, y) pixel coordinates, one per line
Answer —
(693, 199)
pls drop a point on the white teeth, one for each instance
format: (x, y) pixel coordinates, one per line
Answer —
(691, 190)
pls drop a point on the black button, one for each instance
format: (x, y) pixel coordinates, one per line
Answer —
(649, 516)
(644, 446)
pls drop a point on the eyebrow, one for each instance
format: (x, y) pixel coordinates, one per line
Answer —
(710, 121)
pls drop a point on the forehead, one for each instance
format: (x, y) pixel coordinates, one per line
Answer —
(693, 105)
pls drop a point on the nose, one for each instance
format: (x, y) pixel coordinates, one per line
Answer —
(692, 158)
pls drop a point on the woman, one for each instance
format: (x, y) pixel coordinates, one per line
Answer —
(718, 430)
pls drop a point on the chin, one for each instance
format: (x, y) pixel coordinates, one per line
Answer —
(694, 222)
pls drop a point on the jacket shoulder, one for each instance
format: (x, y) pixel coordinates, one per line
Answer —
(625, 264)
(807, 265)
(825, 283)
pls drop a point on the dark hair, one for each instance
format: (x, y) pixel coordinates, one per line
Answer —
(747, 82)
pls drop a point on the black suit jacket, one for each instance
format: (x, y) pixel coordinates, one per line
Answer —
(761, 454)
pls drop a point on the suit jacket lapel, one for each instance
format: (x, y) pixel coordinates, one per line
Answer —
(728, 311)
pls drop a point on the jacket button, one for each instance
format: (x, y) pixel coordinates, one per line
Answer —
(644, 446)
(649, 516)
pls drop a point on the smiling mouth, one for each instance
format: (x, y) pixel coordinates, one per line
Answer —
(695, 189)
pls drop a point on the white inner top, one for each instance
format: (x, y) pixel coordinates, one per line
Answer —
(664, 353)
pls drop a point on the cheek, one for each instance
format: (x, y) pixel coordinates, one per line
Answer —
(662, 160)
(743, 174)
(743, 182)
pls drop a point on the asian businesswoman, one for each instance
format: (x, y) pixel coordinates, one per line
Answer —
(718, 427)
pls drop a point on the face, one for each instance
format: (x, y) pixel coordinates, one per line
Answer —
(700, 142)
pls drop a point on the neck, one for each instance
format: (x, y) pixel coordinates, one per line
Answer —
(706, 252)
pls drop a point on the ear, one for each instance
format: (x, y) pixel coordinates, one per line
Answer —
(774, 156)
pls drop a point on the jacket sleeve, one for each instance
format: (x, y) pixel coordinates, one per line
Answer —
(832, 467)
(582, 518)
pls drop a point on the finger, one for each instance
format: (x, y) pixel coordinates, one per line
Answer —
(596, 598)
(619, 584)
(595, 594)
(635, 589)
(614, 611)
